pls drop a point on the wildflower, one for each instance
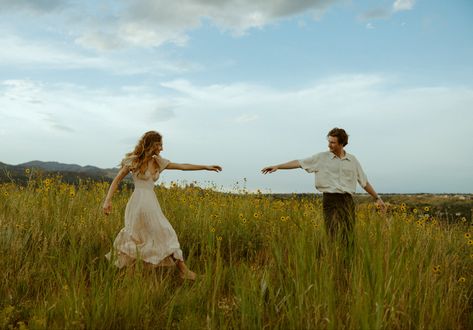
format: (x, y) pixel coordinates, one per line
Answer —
(470, 242)
(212, 230)
(256, 215)
(27, 171)
(436, 269)
(5, 194)
(241, 215)
(463, 219)
(462, 280)
(415, 210)
(471, 256)
(426, 209)
(244, 220)
(403, 205)
(219, 238)
(467, 235)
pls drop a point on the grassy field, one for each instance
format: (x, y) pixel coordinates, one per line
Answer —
(263, 263)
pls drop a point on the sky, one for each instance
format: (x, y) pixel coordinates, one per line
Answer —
(243, 84)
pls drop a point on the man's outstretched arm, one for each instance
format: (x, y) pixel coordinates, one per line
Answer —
(286, 166)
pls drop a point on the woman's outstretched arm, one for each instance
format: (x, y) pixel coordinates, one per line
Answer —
(192, 167)
(107, 204)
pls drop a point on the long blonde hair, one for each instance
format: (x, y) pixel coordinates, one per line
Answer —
(138, 159)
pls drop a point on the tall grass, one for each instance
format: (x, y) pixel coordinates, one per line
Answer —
(264, 263)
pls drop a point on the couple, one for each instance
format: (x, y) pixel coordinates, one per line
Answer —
(149, 236)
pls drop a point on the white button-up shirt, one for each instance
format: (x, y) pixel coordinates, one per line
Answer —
(333, 174)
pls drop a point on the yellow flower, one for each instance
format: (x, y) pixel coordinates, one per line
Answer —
(241, 215)
(27, 171)
(463, 219)
(436, 269)
(470, 242)
(5, 194)
(467, 235)
(403, 205)
(414, 210)
(212, 230)
(219, 238)
(426, 209)
(462, 280)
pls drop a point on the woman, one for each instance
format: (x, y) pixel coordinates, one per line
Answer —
(147, 234)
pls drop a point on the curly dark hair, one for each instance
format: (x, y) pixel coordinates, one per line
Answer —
(340, 134)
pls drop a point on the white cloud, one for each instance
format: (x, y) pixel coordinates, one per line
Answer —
(37, 6)
(394, 131)
(17, 51)
(151, 23)
(369, 26)
(246, 118)
(386, 12)
(400, 5)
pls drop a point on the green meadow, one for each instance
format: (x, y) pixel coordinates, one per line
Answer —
(262, 262)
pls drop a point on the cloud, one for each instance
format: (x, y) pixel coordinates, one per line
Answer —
(56, 124)
(395, 130)
(400, 5)
(377, 13)
(386, 12)
(37, 6)
(152, 23)
(246, 118)
(17, 51)
(369, 26)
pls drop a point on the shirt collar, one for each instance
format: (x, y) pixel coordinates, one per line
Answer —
(347, 156)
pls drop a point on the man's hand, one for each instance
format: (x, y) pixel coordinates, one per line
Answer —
(269, 169)
(380, 204)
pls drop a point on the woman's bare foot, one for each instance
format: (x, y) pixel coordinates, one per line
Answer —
(184, 272)
(188, 275)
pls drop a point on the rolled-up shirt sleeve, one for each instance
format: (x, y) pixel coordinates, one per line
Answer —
(311, 164)
(360, 175)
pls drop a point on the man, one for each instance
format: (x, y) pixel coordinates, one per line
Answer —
(337, 173)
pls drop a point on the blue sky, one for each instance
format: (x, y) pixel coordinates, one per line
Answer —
(243, 85)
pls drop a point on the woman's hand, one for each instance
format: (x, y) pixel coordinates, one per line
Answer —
(214, 168)
(107, 207)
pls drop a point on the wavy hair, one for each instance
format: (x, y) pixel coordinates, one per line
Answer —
(138, 159)
(340, 134)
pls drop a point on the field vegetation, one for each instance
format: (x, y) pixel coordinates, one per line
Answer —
(263, 262)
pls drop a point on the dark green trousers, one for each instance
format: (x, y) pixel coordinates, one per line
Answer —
(339, 216)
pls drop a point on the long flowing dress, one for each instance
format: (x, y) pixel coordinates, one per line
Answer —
(147, 234)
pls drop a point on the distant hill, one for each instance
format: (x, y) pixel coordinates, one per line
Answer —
(70, 173)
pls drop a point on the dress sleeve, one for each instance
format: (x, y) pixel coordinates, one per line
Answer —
(162, 162)
(127, 162)
(311, 164)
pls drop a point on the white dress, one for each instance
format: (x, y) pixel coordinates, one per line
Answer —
(147, 234)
